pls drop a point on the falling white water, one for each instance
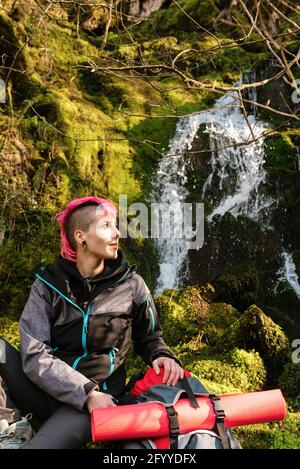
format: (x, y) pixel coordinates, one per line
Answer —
(250, 77)
(287, 273)
(168, 188)
(236, 169)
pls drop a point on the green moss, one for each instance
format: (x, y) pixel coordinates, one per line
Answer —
(244, 372)
(182, 314)
(280, 152)
(239, 285)
(24, 81)
(20, 259)
(277, 435)
(9, 330)
(256, 330)
(175, 19)
(220, 317)
(176, 325)
(134, 363)
(231, 372)
(289, 380)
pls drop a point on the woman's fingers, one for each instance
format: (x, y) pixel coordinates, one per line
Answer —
(174, 374)
(177, 377)
(155, 367)
(172, 371)
(167, 370)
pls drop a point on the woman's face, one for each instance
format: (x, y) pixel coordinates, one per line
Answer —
(102, 237)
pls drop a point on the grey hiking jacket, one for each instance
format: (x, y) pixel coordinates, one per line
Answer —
(75, 332)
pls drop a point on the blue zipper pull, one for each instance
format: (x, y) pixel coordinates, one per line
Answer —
(112, 356)
(86, 319)
(149, 306)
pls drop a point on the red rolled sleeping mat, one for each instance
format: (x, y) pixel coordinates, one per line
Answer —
(150, 419)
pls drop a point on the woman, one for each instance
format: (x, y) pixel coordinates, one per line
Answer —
(77, 325)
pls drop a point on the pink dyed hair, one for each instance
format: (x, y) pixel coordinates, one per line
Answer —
(62, 217)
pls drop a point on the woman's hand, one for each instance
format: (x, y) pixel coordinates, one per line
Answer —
(97, 400)
(173, 371)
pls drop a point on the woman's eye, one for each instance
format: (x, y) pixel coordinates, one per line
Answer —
(106, 224)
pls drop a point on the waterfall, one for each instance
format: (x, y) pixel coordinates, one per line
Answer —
(287, 273)
(168, 188)
(236, 167)
(250, 76)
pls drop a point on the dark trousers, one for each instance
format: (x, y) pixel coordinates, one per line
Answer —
(63, 427)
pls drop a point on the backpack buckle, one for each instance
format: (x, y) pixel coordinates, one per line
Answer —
(174, 428)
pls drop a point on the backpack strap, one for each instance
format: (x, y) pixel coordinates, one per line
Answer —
(186, 386)
(133, 379)
(220, 416)
(174, 429)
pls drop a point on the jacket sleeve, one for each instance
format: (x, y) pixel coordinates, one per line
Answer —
(48, 372)
(146, 327)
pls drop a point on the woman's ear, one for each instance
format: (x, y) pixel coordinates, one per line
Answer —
(78, 237)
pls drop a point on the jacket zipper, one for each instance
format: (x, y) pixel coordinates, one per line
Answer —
(149, 306)
(85, 314)
(112, 357)
(83, 337)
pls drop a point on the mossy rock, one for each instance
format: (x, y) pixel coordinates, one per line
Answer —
(240, 372)
(235, 371)
(289, 381)
(182, 314)
(256, 330)
(220, 317)
(175, 19)
(239, 286)
(176, 326)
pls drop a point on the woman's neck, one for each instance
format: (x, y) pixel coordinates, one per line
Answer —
(89, 267)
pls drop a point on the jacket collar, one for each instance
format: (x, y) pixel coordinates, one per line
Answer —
(65, 277)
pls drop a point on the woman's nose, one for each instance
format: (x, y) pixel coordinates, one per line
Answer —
(117, 233)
